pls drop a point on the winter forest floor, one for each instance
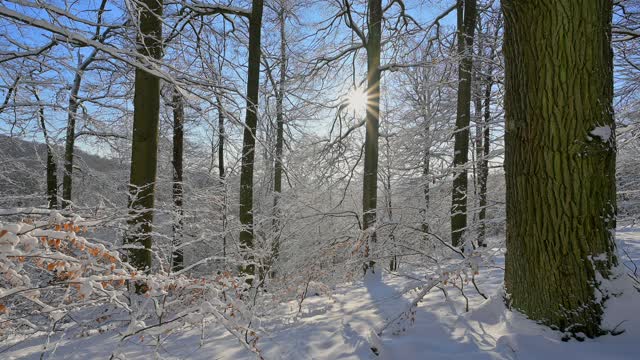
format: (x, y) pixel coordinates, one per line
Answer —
(344, 326)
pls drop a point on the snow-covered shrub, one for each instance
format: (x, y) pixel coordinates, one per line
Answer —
(51, 273)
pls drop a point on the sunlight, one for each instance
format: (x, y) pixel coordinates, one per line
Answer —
(357, 101)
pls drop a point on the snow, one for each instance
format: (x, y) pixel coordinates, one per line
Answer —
(603, 132)
(349, 324)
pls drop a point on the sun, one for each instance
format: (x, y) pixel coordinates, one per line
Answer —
(357, 101)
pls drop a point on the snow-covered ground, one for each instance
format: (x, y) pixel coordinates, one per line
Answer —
(345, 326)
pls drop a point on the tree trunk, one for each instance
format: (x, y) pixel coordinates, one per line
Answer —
(559, 160)
(178, 192)
(249, 140)
(12, 89)
(72, 111)
(144, 148)
(277, 178)
(486, 138)
(393, 262)
(484, 160)
(52, 168)
(426, 160)
(466, 27)
(222, 174)
(370, 180)
(221, 135)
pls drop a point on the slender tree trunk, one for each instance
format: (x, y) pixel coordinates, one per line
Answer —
(12, 89)
(370, 181)
(427, 95)
(221, 139)
(52, 168)
(559, 160)
(178, 191)
(486, 135)
(466, 27)
(72, 111)
(222, 173)
(484, 160)
(249, 140)
(144, 147)
(277, 179)
(72, 114)
(478, 148)
(426, 159)
(393, 262)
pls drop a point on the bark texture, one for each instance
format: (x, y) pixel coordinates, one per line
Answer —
(144, 148)
(249, 139)
(560, 160)
(466, 27)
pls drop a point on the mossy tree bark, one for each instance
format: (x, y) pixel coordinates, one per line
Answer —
(178, 191)
(372, 121)
(144, 148)
(466, 27)
(560, 160)
(249, 137)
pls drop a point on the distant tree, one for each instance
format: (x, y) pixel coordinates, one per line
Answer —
(559, 161)
(280, 95)
(52, 166)
(72, 109)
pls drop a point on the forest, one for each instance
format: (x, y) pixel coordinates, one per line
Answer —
(319, 179)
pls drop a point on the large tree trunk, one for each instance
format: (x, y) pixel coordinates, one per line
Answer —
(249, 140)
(52, 168)
(370, 181)
(559, 160)
(178, 192)
(466, 27)
(144, 148)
